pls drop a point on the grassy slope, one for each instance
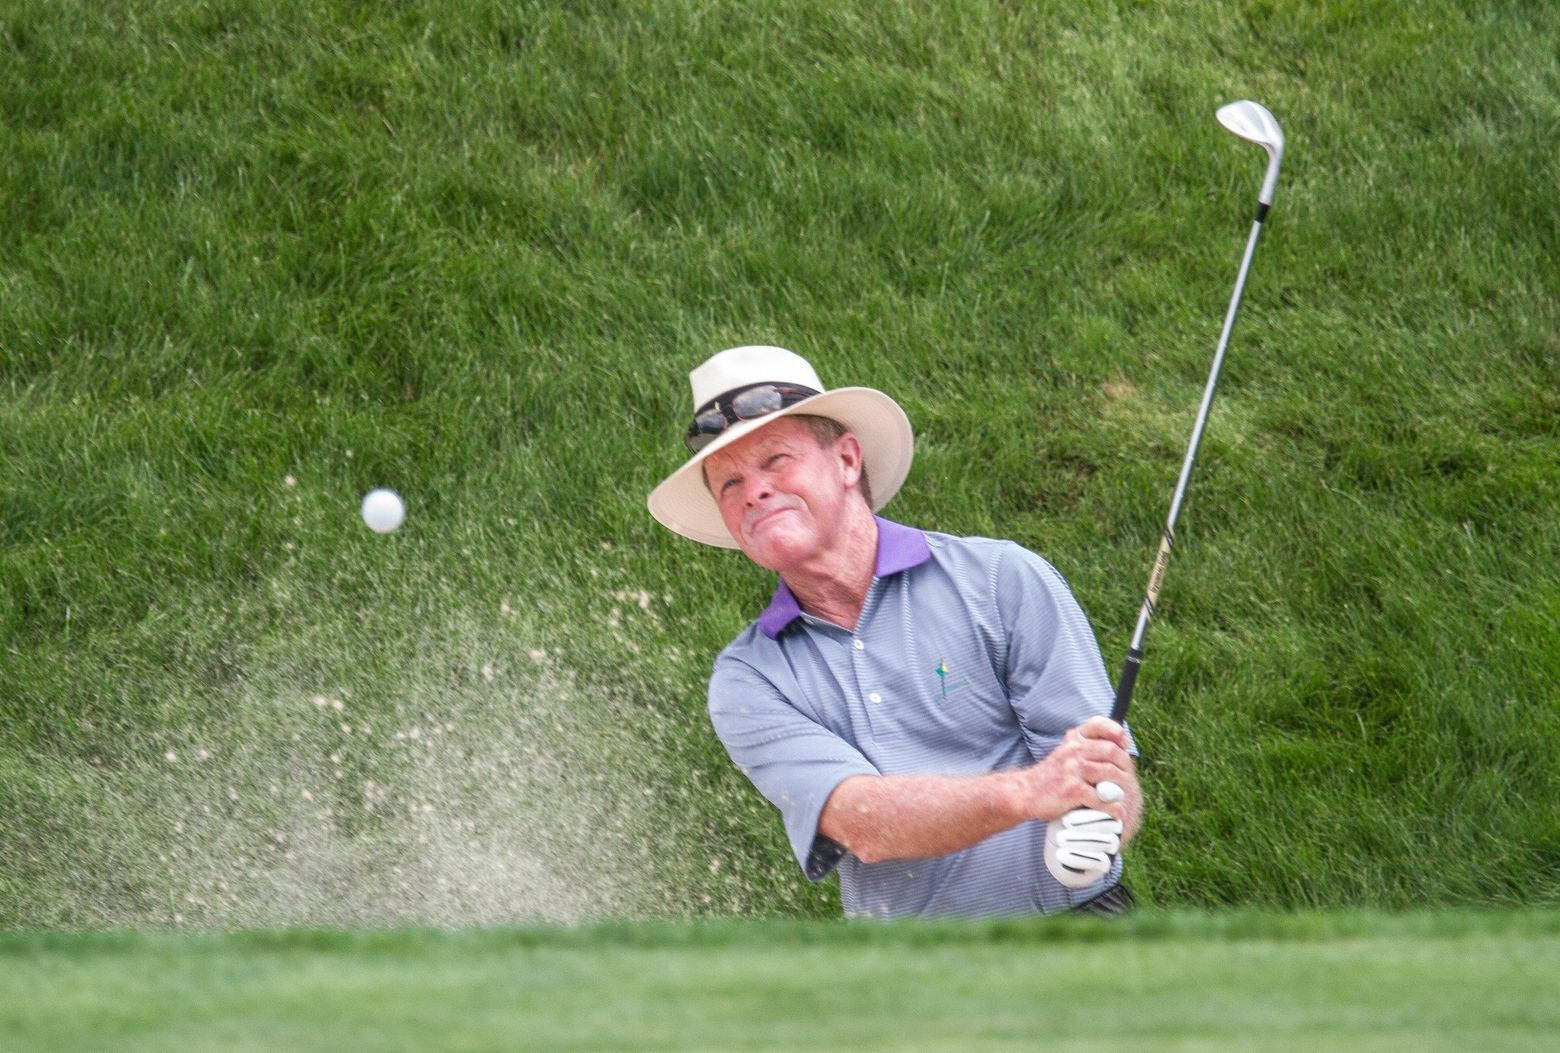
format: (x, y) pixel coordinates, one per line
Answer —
(1447, 981)
(469, 250)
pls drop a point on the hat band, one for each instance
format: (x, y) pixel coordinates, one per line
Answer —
(739, 404)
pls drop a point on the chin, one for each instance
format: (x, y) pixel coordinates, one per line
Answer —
(778, 551)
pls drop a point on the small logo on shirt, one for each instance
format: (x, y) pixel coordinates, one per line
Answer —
(943, 672)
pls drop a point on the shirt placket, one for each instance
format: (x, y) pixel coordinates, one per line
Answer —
(867, 668)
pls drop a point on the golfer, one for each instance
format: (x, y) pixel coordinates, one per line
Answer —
(918, 706)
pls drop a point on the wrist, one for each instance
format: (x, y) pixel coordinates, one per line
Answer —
(1015, 797)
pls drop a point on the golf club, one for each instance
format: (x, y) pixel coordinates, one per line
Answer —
(1084, 864)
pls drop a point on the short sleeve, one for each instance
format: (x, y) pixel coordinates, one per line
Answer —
(794, 761)
(1056, 678)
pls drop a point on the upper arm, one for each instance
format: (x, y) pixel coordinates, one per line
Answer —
(793, 760)
(1055, 675)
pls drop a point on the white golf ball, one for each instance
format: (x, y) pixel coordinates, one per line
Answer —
(383, 510)
(1109, 792)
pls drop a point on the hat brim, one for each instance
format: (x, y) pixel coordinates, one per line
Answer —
(684, 505)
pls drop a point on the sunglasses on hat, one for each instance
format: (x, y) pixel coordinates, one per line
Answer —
(741, 404)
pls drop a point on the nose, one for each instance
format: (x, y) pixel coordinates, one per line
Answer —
(758, 489)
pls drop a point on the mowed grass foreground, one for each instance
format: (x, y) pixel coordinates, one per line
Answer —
(1444, 981)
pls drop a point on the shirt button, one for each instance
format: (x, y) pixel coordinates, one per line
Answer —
(859, 645)
(874, 697)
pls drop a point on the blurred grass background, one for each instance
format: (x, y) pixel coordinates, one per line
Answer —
(257, 259)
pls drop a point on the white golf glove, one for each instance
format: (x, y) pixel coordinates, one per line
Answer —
(1081, 846)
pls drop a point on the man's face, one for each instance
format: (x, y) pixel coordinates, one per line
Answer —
(783, 497)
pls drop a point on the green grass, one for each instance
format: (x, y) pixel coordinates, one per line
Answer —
(256, 259)
(1356, 980)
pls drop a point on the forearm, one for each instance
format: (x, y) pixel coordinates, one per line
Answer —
(880, 817)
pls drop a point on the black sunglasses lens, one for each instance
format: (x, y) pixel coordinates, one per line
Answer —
(710, 422)
(706, 426)
(756, 402)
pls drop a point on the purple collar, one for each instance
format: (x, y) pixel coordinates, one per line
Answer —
(898, 548)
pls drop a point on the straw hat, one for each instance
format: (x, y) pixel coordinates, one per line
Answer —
(768, 377)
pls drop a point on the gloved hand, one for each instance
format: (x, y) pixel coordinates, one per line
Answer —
(1081, 846)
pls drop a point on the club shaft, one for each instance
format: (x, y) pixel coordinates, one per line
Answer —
(1134, 661)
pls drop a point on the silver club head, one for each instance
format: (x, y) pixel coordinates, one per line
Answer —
(1252, 121)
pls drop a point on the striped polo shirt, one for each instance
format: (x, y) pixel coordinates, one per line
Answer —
(970, 656)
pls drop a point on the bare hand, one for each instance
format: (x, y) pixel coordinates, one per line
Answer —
(1093, 752)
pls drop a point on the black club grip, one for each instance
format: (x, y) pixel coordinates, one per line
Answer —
(1129, 672)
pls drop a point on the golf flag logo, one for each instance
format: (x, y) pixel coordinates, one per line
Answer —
(942, 675)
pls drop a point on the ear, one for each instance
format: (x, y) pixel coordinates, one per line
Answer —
(847, 452)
